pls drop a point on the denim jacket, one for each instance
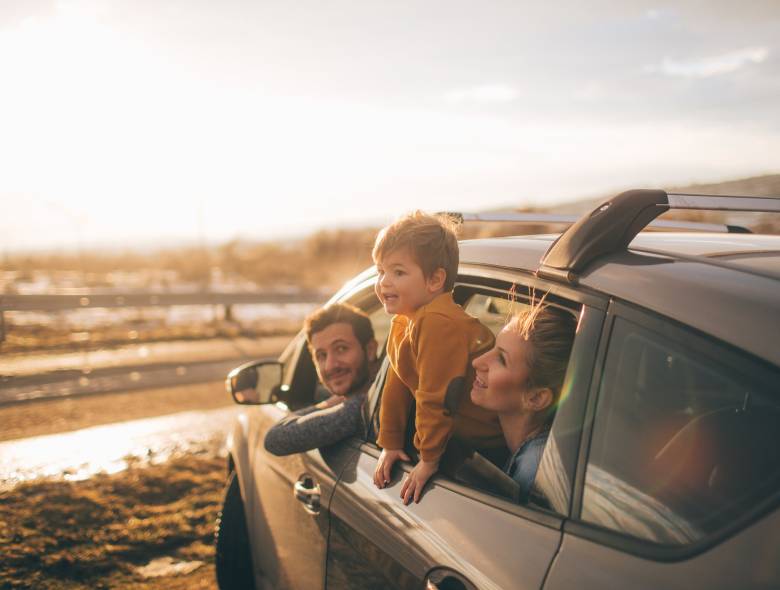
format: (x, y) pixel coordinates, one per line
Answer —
(524, 462)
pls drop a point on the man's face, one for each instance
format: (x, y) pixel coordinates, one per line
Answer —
(342, 363)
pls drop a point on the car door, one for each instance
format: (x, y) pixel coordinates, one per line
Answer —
(289, 495)
(680, 482)
(464, 533)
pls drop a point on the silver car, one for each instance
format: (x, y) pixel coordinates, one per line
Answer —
(663, 464)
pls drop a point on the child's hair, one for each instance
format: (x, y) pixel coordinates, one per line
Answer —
(336, 313)
(550, 332)
(431, 240)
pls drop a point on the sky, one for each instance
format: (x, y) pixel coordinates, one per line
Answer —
(125, 123)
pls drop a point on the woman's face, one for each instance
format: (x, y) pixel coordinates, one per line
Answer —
(502, 374)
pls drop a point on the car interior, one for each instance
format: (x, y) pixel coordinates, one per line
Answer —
(694, 436)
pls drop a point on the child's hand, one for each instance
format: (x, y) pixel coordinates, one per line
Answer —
(416, 480)
(385, 466)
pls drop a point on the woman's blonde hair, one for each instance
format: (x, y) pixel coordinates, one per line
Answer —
(550, 332)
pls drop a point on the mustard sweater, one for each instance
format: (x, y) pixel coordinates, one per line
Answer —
(427, 352)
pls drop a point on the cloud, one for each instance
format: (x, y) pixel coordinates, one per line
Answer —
(483, 94)
(710, 66)
(591, 92)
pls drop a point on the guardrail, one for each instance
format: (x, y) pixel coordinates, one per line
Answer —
(83, 300)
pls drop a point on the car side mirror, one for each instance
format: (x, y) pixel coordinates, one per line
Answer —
(257, 382)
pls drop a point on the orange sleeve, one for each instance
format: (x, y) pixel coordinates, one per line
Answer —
(393, 412)
(442, 355)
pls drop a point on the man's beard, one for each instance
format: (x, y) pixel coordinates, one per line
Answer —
(361, 376)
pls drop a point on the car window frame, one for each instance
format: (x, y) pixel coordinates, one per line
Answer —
(485, 279)
(682, 334)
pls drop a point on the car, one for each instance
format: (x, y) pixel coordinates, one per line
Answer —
(662, 468)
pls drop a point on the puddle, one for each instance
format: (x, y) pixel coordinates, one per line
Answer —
(111, 448)
(166, 566)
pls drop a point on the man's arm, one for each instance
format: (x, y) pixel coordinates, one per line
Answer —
(312, 427)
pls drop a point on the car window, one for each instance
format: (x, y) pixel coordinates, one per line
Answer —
(551, 490)
(485, 470)
(300, 384)
(493, 309)
(380, 320)
(686, 438)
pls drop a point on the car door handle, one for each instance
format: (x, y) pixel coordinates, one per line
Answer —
(308, 493)
(446, 578)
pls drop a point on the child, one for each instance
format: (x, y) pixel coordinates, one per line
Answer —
(431, 345)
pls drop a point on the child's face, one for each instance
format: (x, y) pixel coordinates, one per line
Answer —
(401, 286)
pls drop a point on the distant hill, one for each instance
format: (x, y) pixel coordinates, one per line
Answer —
(767, 185)
(756, 186)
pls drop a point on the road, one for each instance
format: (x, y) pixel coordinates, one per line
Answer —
(71, 416)
(34, 377)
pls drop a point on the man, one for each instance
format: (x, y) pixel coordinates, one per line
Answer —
(342, 344)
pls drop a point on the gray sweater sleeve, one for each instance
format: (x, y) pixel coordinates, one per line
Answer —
(311, 428)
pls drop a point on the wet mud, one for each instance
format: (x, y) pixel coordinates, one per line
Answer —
(114, 530)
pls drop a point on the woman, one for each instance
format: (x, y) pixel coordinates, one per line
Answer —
(520, 379)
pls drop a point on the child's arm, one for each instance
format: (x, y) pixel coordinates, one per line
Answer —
(393, 415)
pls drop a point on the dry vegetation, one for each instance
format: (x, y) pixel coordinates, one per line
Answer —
(96, 533)
(321, 261)
(325, 259)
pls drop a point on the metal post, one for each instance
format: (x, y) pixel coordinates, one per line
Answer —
(2, 327)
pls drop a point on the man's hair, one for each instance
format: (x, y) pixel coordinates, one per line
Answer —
(336, 313)
(431, 240)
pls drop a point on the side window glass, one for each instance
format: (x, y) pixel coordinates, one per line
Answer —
(493, 310)
(380, 320)
(299, 381)
(554, 479)
(686, 438)
(289, 358)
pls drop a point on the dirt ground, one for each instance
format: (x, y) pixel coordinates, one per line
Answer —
(97, 533)
(100, 532)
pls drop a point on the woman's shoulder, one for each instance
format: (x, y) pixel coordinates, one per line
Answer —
(525, 460)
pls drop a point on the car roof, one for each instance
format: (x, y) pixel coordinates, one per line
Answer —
(725, 285)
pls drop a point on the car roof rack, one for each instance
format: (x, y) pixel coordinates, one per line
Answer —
(554, 219)
(611, 226)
